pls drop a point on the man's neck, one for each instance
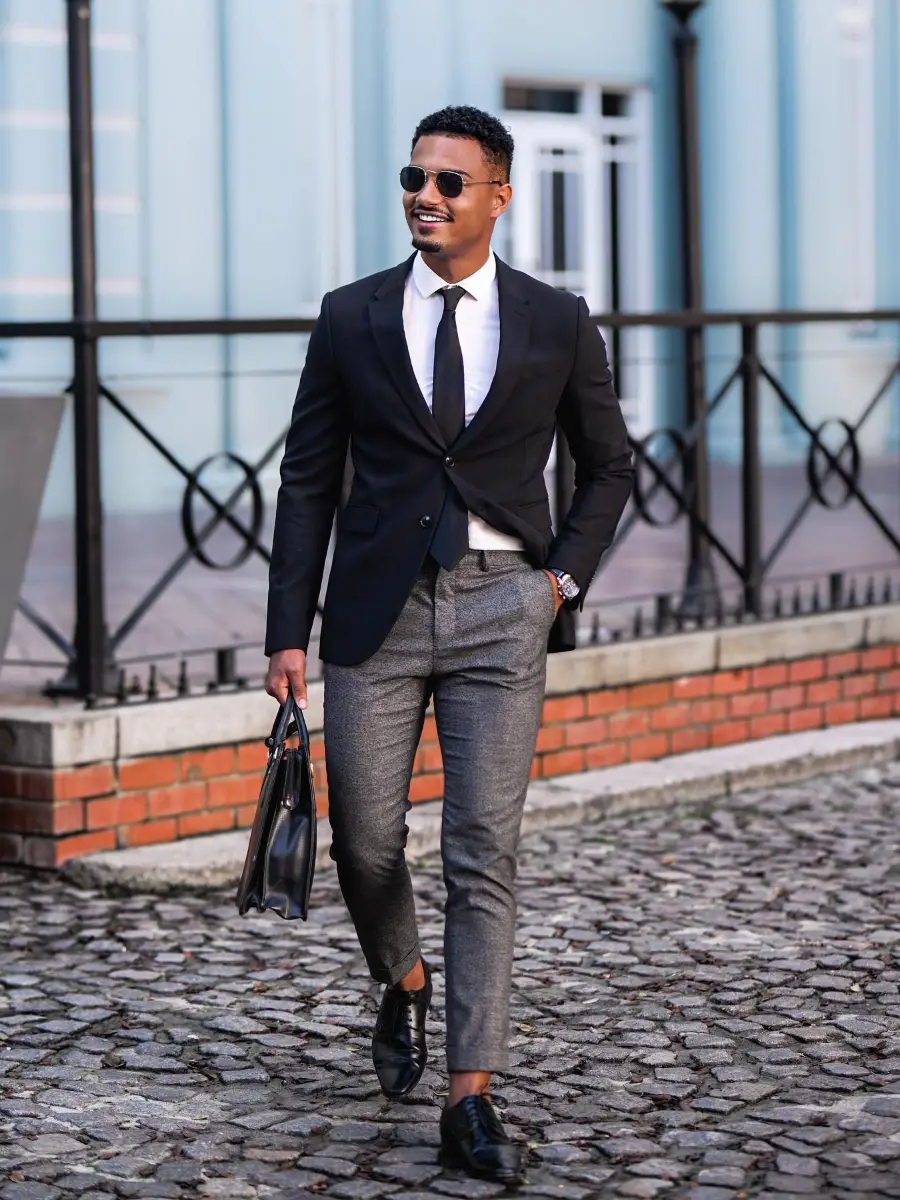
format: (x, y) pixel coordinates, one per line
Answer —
(453, 270)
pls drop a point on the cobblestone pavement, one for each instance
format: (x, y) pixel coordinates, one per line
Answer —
(706, 1005)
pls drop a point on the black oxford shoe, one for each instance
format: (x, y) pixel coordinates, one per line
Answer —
(398, 1044)
(473, 1139)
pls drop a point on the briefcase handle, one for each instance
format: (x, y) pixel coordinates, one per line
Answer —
(290, 721)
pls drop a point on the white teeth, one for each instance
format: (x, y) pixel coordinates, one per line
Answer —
(431, 219)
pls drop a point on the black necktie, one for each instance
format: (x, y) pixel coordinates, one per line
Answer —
(448, 396)
(448, 407)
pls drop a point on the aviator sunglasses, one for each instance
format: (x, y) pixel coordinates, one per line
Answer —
(449, 183)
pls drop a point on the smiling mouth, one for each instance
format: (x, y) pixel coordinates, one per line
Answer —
(429, 218)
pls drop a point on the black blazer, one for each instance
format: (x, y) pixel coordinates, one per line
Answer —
(358, 389)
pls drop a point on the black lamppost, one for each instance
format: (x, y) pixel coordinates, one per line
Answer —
(91, 674)
(698, 597)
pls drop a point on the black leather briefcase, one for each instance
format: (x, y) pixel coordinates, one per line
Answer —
(281, 857)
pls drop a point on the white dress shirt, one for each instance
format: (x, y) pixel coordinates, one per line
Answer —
(478, 325)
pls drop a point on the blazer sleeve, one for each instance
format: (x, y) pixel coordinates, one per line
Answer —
(591, 418)
(311, 473)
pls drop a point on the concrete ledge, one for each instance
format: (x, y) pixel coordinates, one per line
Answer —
(754, 645)
(750, 645)
(205, 721)
(216, 861)
(621, 663)
(69, 736)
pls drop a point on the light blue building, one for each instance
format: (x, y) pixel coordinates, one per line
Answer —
(247, 158)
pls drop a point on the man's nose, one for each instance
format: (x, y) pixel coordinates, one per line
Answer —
(429, 193)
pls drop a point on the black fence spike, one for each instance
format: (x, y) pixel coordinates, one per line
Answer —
(663, 611)
(680, 618)
(886, 590)
(852, 600)
(595, 631)
(719, 610)
(870, 590)
(135, 689)
(637, 627)
(183, 683)
(152, 684)
(836, 590)
(797, 601)
(226, 666)
(122, 689)
(777, 603)
(816, 598)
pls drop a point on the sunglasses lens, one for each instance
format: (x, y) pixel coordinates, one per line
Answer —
(412, 179)
(449, 184)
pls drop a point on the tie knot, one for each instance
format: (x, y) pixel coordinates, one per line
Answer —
(452, 297)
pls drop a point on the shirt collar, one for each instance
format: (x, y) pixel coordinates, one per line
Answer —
(478, 285)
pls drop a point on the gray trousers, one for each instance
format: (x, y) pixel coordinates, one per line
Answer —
(476, 639)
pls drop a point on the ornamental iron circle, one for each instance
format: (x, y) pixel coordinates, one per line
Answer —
(819, 469)
(189, 528)
(642, 496)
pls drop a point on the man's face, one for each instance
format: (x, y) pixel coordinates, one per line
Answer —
(451, 227)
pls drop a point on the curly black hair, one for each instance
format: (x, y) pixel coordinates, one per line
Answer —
(463, 121)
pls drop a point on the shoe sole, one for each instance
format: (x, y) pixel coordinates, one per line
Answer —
(450, 1160)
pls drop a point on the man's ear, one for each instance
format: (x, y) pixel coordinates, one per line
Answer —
(501, 200)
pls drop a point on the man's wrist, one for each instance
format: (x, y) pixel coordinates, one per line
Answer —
(566, 585)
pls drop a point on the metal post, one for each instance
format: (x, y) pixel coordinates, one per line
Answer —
(751, 471)
(700, 584)
(90, 628)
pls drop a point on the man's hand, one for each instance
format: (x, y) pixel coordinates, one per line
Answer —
(558, 600)
(287, 669)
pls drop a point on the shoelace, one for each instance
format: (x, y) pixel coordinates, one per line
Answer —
(484, 1109)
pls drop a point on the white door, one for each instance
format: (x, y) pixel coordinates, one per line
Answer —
(581, 220)
(554, 230)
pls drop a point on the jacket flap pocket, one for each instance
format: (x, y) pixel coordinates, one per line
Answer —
(359, 518)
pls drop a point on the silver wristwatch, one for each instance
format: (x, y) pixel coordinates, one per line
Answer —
(566, 586)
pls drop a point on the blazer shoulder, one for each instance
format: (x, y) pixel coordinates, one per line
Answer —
(361, 290)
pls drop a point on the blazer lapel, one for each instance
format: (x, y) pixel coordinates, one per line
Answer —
(515, 328)
(386, 319)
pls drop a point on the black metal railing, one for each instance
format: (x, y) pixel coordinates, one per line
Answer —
(750, 582)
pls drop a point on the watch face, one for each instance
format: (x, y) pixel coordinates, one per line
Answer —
(569, 588)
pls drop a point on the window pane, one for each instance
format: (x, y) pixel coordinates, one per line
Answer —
(537, 99)
(561, 214)
(615, 104)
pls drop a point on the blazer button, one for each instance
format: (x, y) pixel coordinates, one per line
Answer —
(448, 461)
(425, 522)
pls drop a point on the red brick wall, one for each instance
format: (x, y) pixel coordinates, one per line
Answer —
(47, 817)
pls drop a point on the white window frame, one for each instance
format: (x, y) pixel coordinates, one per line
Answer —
(856, 25)
(590, 132)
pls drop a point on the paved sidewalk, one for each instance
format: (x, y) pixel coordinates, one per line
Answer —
(706, 1006)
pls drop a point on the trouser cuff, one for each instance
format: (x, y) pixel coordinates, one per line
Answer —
(494, 1062)
(392, 975)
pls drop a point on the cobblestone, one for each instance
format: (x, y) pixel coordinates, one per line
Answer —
(706, 1004)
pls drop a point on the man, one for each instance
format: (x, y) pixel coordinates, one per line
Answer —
(445, 376)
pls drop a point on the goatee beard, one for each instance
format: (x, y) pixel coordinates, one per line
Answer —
(426, 247)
